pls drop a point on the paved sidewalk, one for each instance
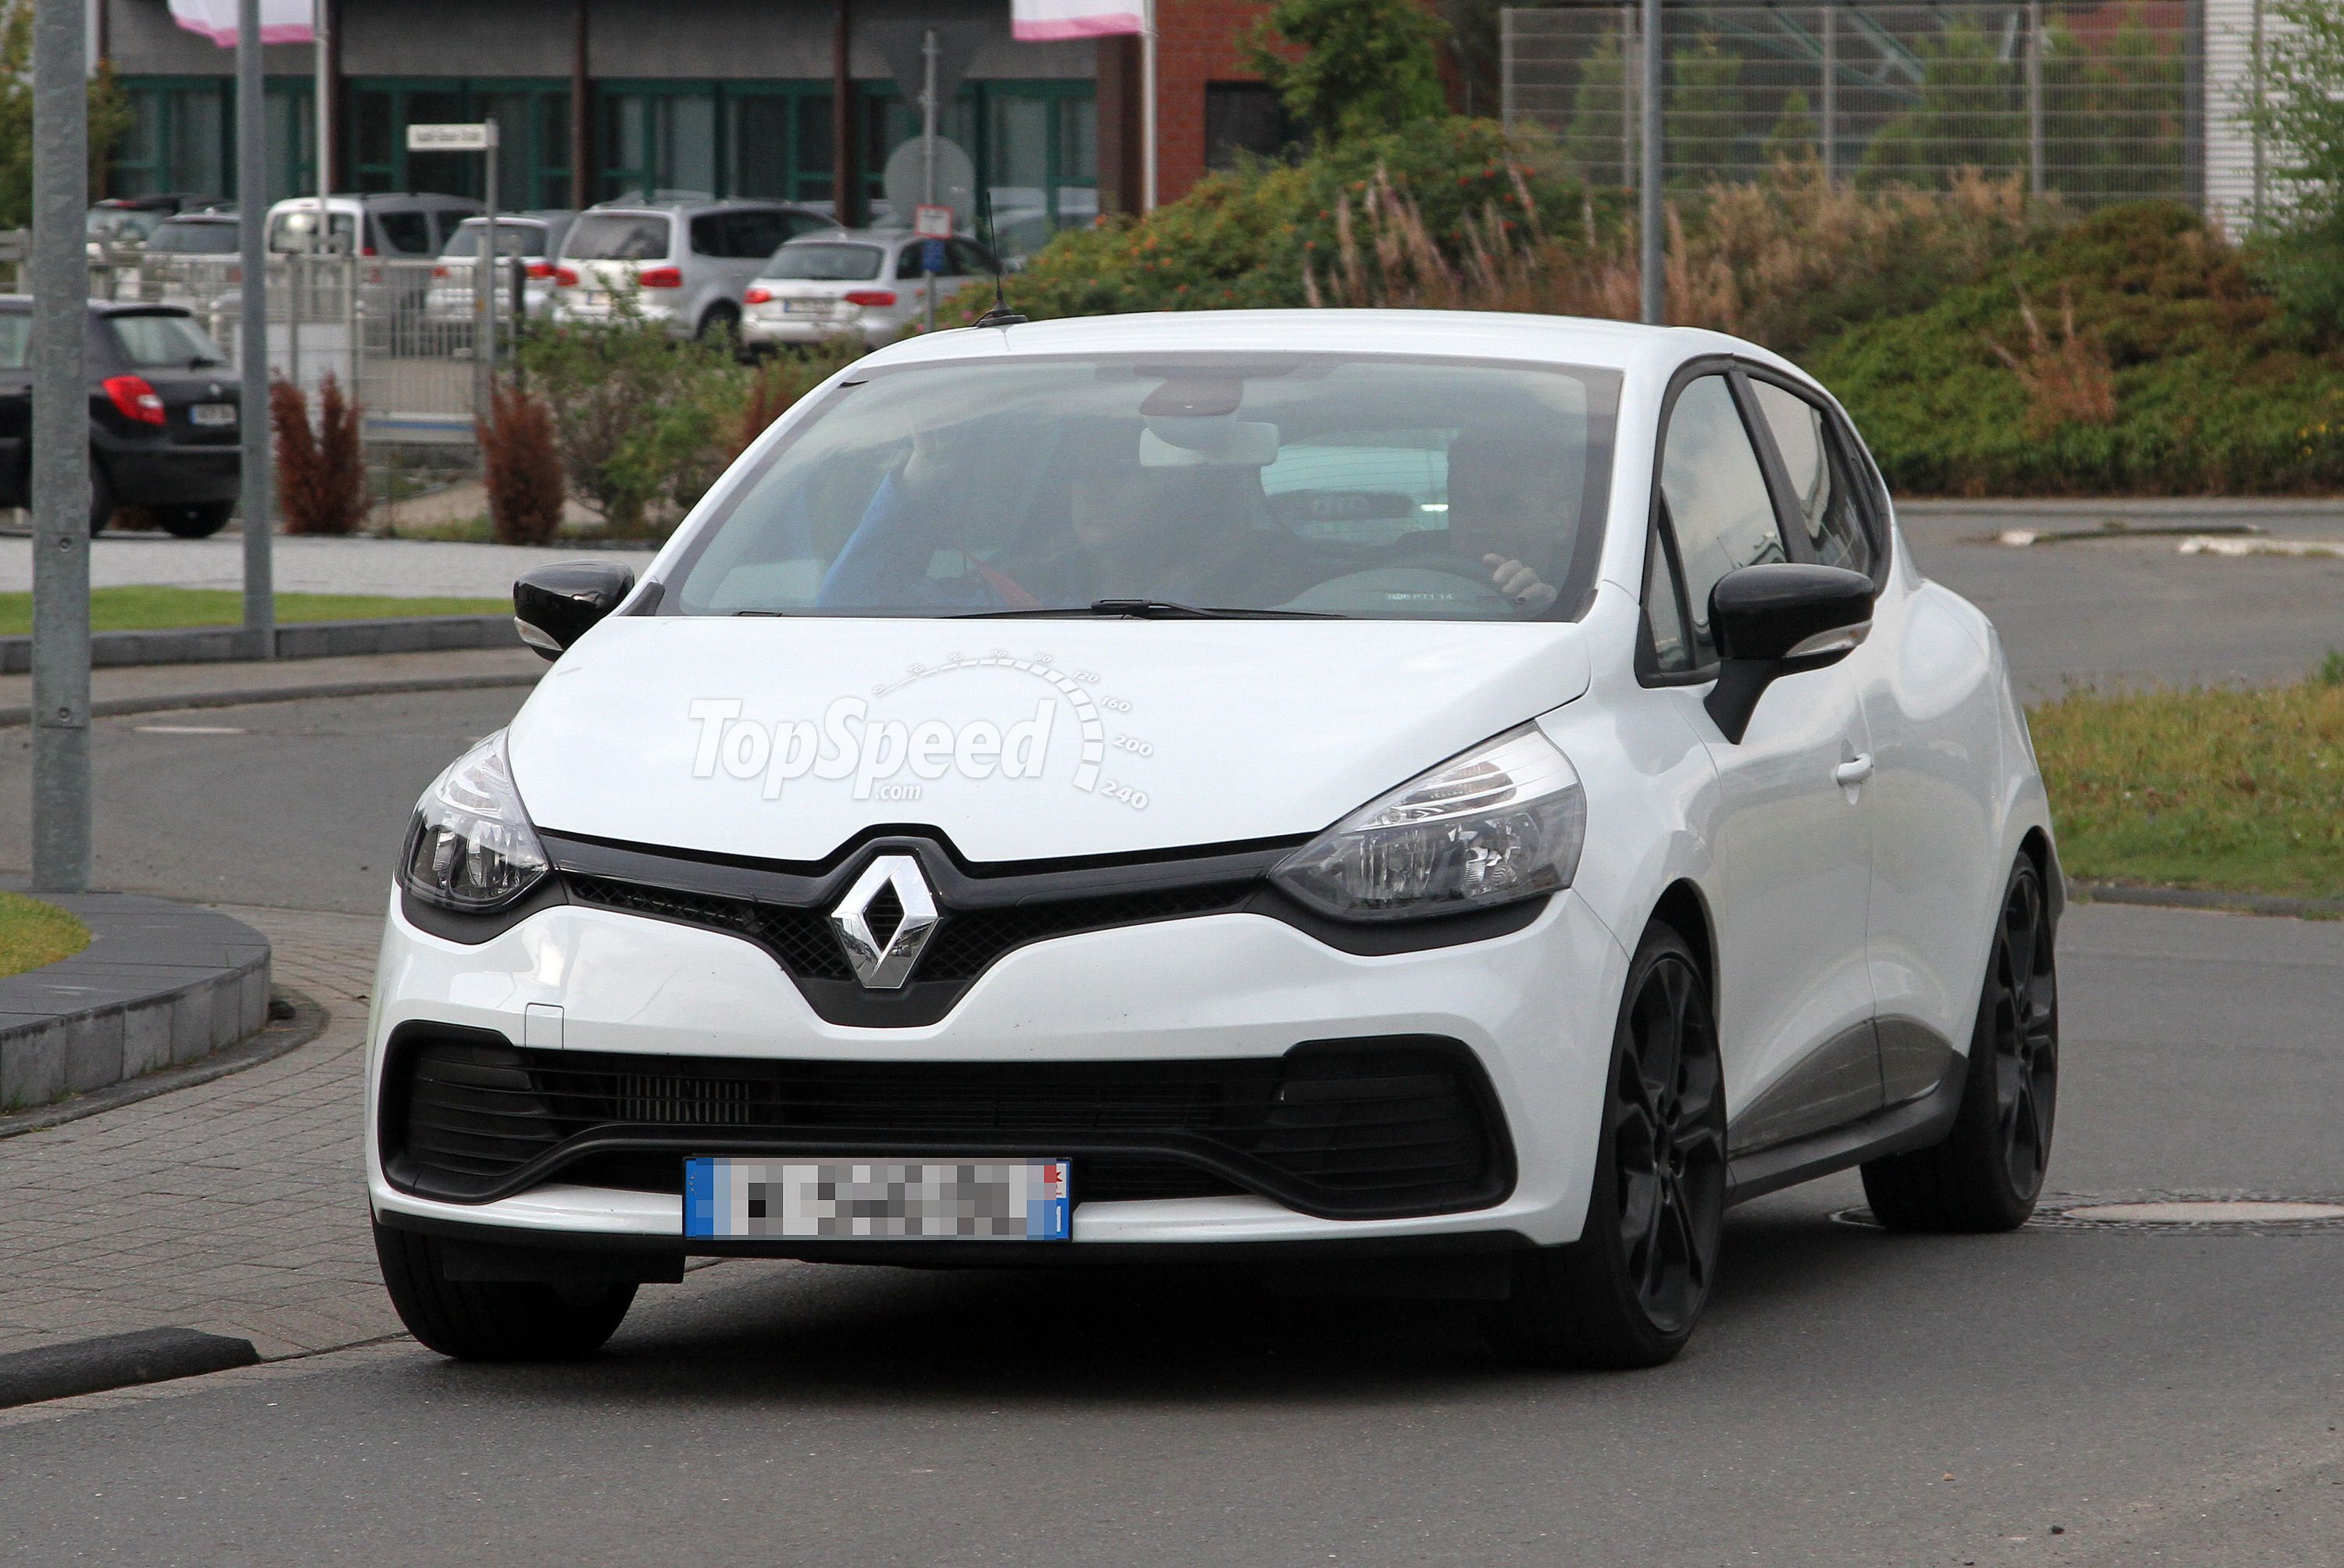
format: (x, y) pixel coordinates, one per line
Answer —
(160, 687)
(233, 1207)
(307, 564)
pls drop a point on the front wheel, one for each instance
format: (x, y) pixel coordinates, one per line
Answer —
(1987, 1173)
(193, 519)
(1628, 1292)
(474, 1320)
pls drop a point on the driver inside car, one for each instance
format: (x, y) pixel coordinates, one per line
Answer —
(1504, 495)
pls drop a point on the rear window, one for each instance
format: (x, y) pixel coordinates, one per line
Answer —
(292, 231)
(159, 340)
(814, 262)
(195, 238)
(617, 237)
(407, 232)
(512, 239)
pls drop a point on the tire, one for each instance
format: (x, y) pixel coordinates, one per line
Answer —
(475, 1322)
(101, 496)
(193, 519)
(722, 327)
(1987, 1173)
(1628, 1291)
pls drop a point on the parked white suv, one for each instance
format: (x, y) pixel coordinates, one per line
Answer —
(684, 263)
(864, 283)
(1461, 797)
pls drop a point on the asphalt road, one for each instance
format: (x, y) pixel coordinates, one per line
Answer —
(1854, 1399)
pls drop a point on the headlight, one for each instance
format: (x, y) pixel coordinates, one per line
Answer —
(471, 847)
(1501, 823)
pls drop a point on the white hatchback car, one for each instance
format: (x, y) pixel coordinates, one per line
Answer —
(854, 283)
(1459, 799)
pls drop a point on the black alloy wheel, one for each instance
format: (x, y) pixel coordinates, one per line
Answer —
(1628, 1291)
(1989, 1170)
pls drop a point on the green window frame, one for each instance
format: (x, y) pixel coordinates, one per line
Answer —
(769, 138)
(182, 137)
(1013, 130)
(532, 117)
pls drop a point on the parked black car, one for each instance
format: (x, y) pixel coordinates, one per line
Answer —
(163, 416)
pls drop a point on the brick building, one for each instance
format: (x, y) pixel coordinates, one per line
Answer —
(801, 99)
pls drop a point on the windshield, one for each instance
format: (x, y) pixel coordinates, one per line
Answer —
(195, 238)
(817, 263)
(296, 231)
(153, 340)
(617, 237)
(512, 239)
(1385, 488)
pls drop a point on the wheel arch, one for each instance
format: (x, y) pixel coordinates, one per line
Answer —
(1681, 908)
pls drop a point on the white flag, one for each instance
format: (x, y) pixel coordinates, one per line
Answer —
(281, 21)
(1048, 21)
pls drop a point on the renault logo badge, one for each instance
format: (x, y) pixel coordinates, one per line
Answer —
(885, 966)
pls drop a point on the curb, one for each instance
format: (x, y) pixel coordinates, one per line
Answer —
(160, 985)
(118, 707)
(294, 1021)
(116, 1360)
(302, 640)
(2195, 898)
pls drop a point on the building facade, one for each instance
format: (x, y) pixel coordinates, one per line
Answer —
(798, 99)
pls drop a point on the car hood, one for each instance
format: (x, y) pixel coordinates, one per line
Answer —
(1018, 740)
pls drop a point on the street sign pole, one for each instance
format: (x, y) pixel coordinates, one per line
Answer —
(252, 336)
(481, 138)
(1650, 257)
(61, 495)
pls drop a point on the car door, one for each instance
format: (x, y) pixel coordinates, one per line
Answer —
(1789, 833)
(1924, 682)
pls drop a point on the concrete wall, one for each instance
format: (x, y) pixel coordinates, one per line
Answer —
(708, 40)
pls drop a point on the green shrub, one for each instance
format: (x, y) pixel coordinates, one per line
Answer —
(645, 424)
(2212, 393)
(1351, 67)
(1241, 240)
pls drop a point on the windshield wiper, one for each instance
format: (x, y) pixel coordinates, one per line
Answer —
(1151, 610)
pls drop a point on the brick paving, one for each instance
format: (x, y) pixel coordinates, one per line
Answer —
(235, 1207)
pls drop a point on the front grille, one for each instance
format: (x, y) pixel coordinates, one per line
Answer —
(965, 941)
(1353, 1128)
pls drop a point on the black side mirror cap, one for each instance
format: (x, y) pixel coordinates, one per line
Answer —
(1779, 619)
(553, 606)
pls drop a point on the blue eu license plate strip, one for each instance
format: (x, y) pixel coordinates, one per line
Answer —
(727, 1199)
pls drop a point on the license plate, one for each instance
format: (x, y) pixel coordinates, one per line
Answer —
(598, 299)
(805, 306)
(932, 1199)
(211, 413)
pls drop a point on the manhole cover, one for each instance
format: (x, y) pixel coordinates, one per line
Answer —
(2173, 1214)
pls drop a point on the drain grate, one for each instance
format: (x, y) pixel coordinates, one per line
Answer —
(2173, 1214)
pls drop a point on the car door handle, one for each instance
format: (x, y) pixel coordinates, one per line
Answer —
(1853, 772)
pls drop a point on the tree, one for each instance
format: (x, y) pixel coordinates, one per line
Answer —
(109, 117)
(1967, 114)
(2301, 113)
(1351, 67)
(1598, 139)
(1703, 111)
(1795, 138)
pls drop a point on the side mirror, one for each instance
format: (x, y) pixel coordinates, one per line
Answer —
(553, 606)
(1779, 619)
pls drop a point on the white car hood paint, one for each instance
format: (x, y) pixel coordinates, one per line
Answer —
(1136, 735)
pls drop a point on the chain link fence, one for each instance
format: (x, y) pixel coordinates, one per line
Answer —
(2093, 102)
(396, 333)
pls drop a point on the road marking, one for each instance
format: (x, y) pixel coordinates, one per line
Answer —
(189, 729)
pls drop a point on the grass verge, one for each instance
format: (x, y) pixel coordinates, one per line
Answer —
(2227, 791)
(169, 609)
(33, 933)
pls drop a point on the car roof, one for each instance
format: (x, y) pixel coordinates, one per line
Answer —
(854, 236)
(215, 218)
(671, 206)
(1623, 346)
(17, 304)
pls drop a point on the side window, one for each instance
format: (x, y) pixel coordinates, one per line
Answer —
(1822, 484)
(756, 235)
(407, 232)
(707, 234)
(1670, 655)
(1715, 495)
(968, 261)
